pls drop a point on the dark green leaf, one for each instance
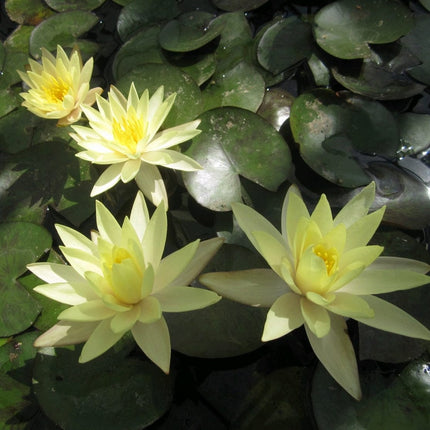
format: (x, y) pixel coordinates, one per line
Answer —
(233, 5)
(66, 5)
(31, 12)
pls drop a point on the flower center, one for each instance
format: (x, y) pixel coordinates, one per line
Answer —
(329, 256)
(55, 90)
(119, 255)
(129, 130)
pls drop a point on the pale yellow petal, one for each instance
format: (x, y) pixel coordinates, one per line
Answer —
(99, 342)
(311, 273)
(154, 340)
(390, 263)
(350, 306)
(337, 355)
(55, 273)
(124, 321)
(150, 310)
(384, 281)
(171, 266)
(357, 207)
(182, 299)
(255, 287)
(151, 183)
(129, 170)
(70, 294)
(393, 319)
(73, 239)
(283, 317)
(322, 215)
(107, 179)
(364, 255)
(317, 319)
(295, 211)
(139, 215)
(94, 310)
(81, 261)
(171, 159)
(107, 225)
(66, 333)
(126, 281)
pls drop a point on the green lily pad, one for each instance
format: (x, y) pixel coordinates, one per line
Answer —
(16, 354)
(9, 100)
(380, 81)
(10, 62)
(320, 123)
(426, 4)
(345, 28)
(140, 49)
(31, 12)
(190, 31)
(234, 5)
(234, 142)
(66, 5)
(142, 13)
(227, 328)
(418, 44)
(60, 29)
(19, 39)
(242, 86)
(276, 106)
(95, 394)
(188, 102)
(20, 243)
(390, 401)
(284, 44)
(202, 70)
(320, 71)
(414, 131)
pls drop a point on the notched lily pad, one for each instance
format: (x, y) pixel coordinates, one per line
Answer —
(190, 31)
(345, 28)
(284, 44)
(62, 28)
(235, 142)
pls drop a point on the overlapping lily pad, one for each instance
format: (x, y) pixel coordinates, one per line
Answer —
(20, 243)
(30, 12)
(235, 142)
(233, 5)
(345, 28)
(65, 5)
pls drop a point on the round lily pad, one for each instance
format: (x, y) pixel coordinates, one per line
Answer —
(241, 86)
(284, 44)
(235, 142)
(202, 70)
(345, 28)
(139, 14)
(62, 28)
(276, 106)
(98, 393)
(190, 31)
(66, 5)
(233, 5)
(30, 12)
(188, 102)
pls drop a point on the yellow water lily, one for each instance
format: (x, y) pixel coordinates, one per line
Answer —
(124, 133)
(118, 281)
(59, 86)
(322, 270)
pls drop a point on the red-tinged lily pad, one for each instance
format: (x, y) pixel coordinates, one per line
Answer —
(235, 142)
(30, 12)
(345, 28)
(21, 243)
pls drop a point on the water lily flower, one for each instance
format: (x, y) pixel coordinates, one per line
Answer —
(125, 134)
(59, 86)
(118, 281)
(323, 271)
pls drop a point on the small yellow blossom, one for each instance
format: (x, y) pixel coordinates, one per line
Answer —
(323, 271)
(59, 86)
(125, 134)
(118, 281)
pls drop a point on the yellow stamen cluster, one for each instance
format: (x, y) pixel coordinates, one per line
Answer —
(129, 130)
(55, 90)
(329, 256)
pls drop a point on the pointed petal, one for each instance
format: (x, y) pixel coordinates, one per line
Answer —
(364, 254)
(393, 319)
(336, 354)
(124, 321)
(73, 239)
(154, 238)
(55, 273)
(272, 250)
(107, 225)
(129, 170)
(284, 316)
(182, 299)
(95, 310)
(150, 310)
(171, 159)
(171, 266)
(359, 233)
(322, 215)
(295, 210)
(357, 207)
(255, 287)
(66, 333)
(66, 293)
(81, 261)
(151, 183)
(390, 263)
(316, 317)
(384, 281)
(107, 179)
(139, 215)
(204, 253)
(292, 189)
(154, 340)
(99, 342)
(250, 221)
(350, 306)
